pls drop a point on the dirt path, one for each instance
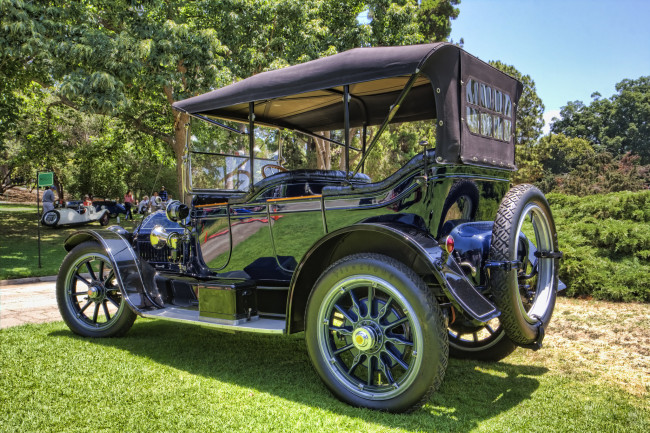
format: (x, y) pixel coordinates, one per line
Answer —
(19, 195)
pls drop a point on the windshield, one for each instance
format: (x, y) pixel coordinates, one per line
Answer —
(219, 158)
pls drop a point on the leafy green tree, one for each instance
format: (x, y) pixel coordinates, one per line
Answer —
(405, 22)
(587, 122)
(618, 124)
(153, 54)
(435, 18)
(530, 110)
(34, 142)
(629, 130)
(117, 59)
(89, 154)
(131, 61)
(560, 154)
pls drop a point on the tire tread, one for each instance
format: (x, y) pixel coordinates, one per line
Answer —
(500, 279)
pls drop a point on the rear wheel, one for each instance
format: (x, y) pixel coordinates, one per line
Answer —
(526, 293)
(375, 334)
(104, 219)
(88, 296)
(483, 343)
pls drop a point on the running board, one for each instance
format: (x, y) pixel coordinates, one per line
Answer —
(463, 292)
(184, 315)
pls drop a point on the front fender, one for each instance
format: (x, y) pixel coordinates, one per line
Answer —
(128, 272)
(402, 242)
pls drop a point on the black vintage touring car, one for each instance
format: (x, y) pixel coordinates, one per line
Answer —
(386, 277)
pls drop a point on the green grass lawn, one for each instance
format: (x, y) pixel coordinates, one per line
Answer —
(19, 242)
(169, 377)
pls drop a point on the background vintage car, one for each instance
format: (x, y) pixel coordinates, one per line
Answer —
(74, 214)
(114, 208)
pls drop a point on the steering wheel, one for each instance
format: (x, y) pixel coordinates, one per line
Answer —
(267, 170)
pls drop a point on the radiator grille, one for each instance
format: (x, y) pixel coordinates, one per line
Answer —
(154, 255)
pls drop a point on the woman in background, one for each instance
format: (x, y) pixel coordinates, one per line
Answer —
(128, 203)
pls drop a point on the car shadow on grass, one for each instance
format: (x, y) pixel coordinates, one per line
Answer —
(471, 392)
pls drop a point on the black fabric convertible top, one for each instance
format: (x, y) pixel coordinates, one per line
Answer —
(309, 96)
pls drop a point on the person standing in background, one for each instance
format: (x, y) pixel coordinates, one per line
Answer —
(163, 193)
(48, 200)
(128, 204)
(144, 204)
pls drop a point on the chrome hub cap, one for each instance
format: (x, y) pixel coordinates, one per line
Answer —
(96, 293)
(364, 338)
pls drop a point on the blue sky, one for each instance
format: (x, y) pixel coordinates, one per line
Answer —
(570, 48)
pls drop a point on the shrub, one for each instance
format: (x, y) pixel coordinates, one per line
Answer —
(606, 244)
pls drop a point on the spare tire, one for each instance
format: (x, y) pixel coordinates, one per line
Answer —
(526, 292)
(51, 218)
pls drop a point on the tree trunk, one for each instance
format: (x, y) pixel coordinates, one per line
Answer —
(59, 187)
(178, 144)
(323, 152)
(5, 179)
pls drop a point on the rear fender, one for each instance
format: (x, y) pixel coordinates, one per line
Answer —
(130, 273)
(413, 247)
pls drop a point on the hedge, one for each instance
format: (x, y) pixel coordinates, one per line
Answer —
(606, 244)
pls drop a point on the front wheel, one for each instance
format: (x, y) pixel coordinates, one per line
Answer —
(375, 334)
(88, 296)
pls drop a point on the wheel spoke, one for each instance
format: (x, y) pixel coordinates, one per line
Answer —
(397, 322)
(345, 313)
(85, 306)
(371, 369)
(101, 270)
(475, 336)
(113, 301)
(343, 349)
(356, 307)
(82, 279)
(108, 316)
(355, 363)
(90, 270)
(109, 277)
(85, 292)
(341, 330)
(397, 340)
(489, 329)
(386, 369)
(371, 298)
(384, 309)
(95, 313)
(397, 359)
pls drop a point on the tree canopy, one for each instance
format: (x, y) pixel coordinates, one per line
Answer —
(618, 124)
(130, 61)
